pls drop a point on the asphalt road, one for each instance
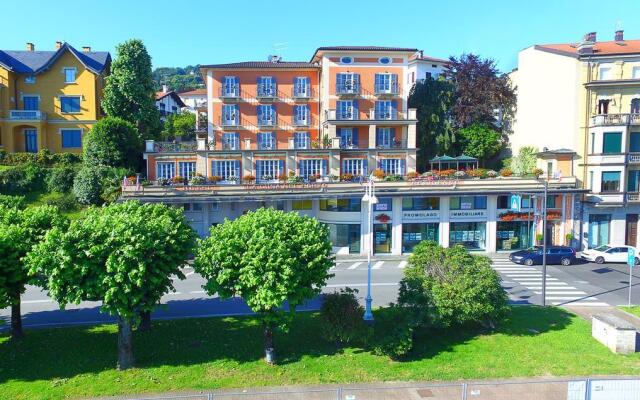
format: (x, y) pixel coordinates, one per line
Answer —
(582, 284)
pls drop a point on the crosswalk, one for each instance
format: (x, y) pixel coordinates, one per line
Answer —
(517, 277)
(362, 265)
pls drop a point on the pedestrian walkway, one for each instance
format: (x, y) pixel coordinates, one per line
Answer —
(524, 286)
(363, 265)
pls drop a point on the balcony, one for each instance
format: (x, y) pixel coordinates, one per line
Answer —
(615, 119)
(267, 92)
(229, 121)
(302, 92)
(348, 89)
(388, 117)
(27, 115)
(387, 89)
(392, 115)
(174, 147)
(393, 144)
(267, 122)
(230, 145)
(633, 197)
(230, 92)
(309, 121)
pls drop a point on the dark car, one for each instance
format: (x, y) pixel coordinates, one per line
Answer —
(555, 255)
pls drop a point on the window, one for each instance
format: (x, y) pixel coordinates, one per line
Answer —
(345, 235)
(384, 60)
(634, 142)
(392, 166)
(301, 115)
(71, 138)
(633, 181)
(504, 202)
(612, 143)
(386, 110)
(468, 203)
(354, 166)
(266, 141)
(348, 138)
(230, 114)
(591, 180)
(635, 106)
(346, 60)
(427, 75)
(420, 203)
(231, 141)
(347, 83)
(230, 86)
(635, 74)
(603, 106)
(386, 83)
(30, 79)
(31, 102)
(384, 204)
(267, 86)
(301, 87)
(340, 205)
(311, 167)
(267, 114)
(70, 104)
(302, 140)
(347, 109)
(174, 109)
(187, 169)
(610, 181)
(552, 201)
(301, 204)
(162, 106)
(269, 170)
(70, 75)
(385, 137)
(605, 73)
(166, 170)
(228, 170)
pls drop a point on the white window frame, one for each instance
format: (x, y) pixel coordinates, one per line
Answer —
(75, 74)
(63, 130)
(226, 169)
(302, 114)
(391, 166)
(354, 166)
(30, 79)
(166, 170)
(635, 72)
(267, 141)
(268, 168)
(230, 141)
(310, 166)
(384, 134)
(272, 115)
(345, 108)
(71, 112)
(302, 140)
(605, 69)
(302, 86)
(187, 169)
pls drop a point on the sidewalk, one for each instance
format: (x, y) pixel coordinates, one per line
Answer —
(404, 257)
(588, 313)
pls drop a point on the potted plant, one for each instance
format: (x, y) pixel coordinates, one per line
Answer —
(177, 179)
(162, 181)
(569, 239)
(537, 172)
(460, 174)
(233, 179)
(248, 178)
(539, 238)
(215, 179)
(491, 174)
(283, 177)
(379, 174)
(197, 179)
(412, 175)
(506, 172)
(314, 177)
(347, 177)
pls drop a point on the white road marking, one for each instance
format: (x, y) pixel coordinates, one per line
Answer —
(564, 292)
(197, 292)
(402, 264)
(355, 265)
(36, 301)
(378, 265)
(569, 298)
(362, 284)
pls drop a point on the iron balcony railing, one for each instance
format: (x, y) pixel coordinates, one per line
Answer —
(27, 114)
(393, 144)
(633, 197)
(167, 147)
(302, 92)
(349, 88)
(230, 120)
(230, 145)
(265, 122)
(230, 91)
(267, 91)
(386, 88)
(309, 121)
(633, 158)
(615, 119)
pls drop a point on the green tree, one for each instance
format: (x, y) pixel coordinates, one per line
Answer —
(122, 255)
(480, 141)
(525, 161)
(268, 258)
(449, 286)
(183, 124)
(433, 99)
(129, 92)
(20, 230)
(113, 142)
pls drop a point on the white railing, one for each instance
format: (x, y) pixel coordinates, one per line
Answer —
(615, 119)
(27, 114)
(634, 158)
(633, 197)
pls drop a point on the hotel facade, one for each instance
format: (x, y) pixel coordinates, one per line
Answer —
(305, 136)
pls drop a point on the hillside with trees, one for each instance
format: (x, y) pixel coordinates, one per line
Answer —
(177, 78)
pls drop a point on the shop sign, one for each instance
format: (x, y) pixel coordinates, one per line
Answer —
(420, 215)
(382, 218)
(464, 214)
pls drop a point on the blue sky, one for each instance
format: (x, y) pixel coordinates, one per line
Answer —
(179, 33)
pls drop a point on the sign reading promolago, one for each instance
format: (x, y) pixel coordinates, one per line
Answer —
(427, 215)
(468, 214)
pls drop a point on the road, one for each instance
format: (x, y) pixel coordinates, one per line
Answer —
(582, 284)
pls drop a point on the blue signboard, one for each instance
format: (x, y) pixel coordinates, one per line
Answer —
(515, 202)
(631, 257)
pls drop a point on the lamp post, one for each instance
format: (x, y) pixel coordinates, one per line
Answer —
(371, 199)
(544, 243)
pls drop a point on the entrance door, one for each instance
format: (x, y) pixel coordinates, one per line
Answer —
(382, 236)
(632, 230)
(598, 229)
(30, 140)
(550, 233)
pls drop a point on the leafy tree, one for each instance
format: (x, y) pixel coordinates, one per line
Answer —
(482, 92)
(433, 99)
(20, 230)
(183, 124)
(178, 79)
(342, 316)
(129, 92)
(449, 286)
(123, 255)
(480, 141)
(267, 257)
(525, 161)
(87, 186)
(113, 142)
(61, 178)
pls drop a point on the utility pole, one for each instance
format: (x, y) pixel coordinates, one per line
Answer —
(371, 199)
(544, 243)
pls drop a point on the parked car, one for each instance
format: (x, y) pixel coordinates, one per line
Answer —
(609, 253)
(555, 255)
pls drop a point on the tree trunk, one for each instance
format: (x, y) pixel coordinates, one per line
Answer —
(145, 321)
(268, 345)
(125, 344)
(16, 321)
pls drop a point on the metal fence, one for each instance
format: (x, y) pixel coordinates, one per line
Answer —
(576, 389)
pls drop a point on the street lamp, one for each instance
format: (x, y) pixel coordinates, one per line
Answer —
(371, 199)
(544, 243)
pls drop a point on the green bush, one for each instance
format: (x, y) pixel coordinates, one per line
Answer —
(64, 202)
(12, 201)
(394, 330)
(113, 142)
(22, 179)
(43, 158)
(61, 178)
(342, 316)
(65, 158)
(87, 186)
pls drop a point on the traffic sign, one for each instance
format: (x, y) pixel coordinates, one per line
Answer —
(631, 257)
(515, 202)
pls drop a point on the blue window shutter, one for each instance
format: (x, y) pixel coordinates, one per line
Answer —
(402, 161)
(260, 112)
(365, 163)
(394, 109)
(354, 136)
(214, 169)
(379, 163)
(273, 142)
(258, 169)
(281, 168)
(324, 167)
(356, 112)
(343, 167)
(394, 81)
(299, 167)
(378, 136)
(78, 139)
(238, 175)
(393, 136)
(356, 79)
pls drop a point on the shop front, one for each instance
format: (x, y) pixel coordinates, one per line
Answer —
(346, 236)
(468, 222)
(420, 221)
(514, 230)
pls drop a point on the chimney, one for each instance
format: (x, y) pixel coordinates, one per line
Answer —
(30, 46)
(165, 89)
(58, 45)
(619, 35)
(585, 47)
(86, 49)
(590, 37)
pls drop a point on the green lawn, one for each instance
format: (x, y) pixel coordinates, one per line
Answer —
(226, 352)
(38, 198)
(635, 310)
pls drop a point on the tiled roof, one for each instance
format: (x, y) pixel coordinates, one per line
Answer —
(599, 48)
(195, 92)
(264, 64)
(365, 48)
(35, 62)
(161, 95)
(431, 59)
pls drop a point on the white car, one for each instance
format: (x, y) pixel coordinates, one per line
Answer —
(609, 253)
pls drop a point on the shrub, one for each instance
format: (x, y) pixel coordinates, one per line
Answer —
(537, 172)
(12, 201)
(393, 178)
(64, 202)
(346, 177)
(506, 172)
(61, 179)
(113, 142)
(249, 178)
(491, 173)
(87, 186)
(177, 179)
(162, 181)
(283, 177)
(379, 173)
(215, 179)
(342, 316)
(393, 332)
(459, 174)
(197, 179)
(446, 173)
(477, 173)
(65, 158)
(412, 175)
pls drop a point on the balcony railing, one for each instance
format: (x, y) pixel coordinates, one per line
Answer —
(230, 92)
(267, 122)
(170, 147)
(633, 197)
(27, 114)
(231, 146)
(373, 115)
(267, 145)
(633, 158)
(615, 119)
(303, 92)
(386, 88)
(309, 121)
(393, 144)
(229, 121)
(351, 88)
(267, 91)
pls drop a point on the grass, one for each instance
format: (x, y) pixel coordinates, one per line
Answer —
(205, 354)
(635, 310)
(39, 198)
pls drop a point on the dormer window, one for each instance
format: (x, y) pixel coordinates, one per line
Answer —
(346, 60)
(384, 60)
(70, 75)
(30, 79)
